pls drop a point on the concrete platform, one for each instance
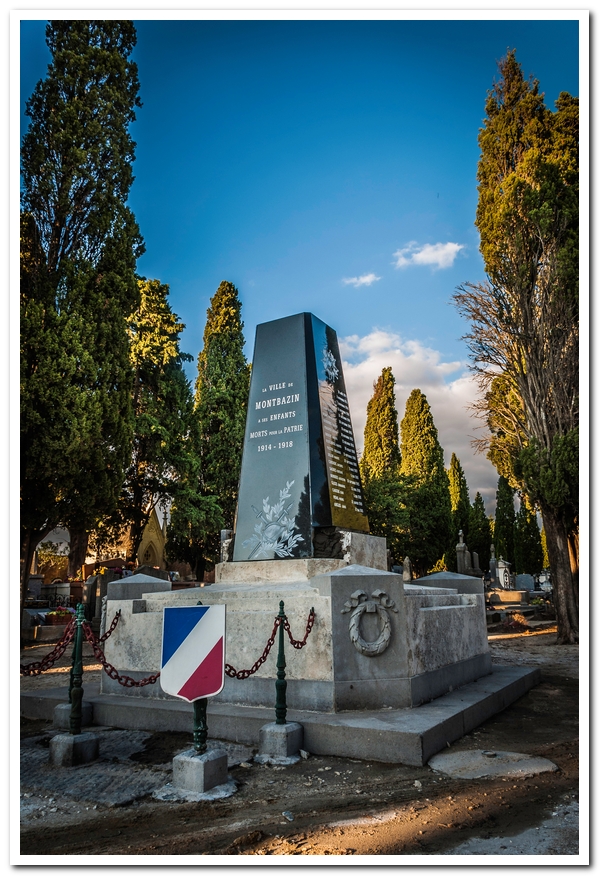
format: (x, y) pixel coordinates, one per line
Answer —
(408, 736)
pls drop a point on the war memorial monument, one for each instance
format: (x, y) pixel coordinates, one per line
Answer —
(392, 670)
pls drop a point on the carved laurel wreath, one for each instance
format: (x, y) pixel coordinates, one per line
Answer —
(358, 604)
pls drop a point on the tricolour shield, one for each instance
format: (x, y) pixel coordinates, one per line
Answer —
(193, 651)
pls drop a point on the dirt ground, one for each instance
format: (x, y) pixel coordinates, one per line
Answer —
(338, 806)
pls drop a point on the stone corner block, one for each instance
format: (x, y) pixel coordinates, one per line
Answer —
(200, 772)
(280, 740)
(71, 750)
(62, 715)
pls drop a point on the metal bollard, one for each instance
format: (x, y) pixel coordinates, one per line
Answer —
(200, 725)
(76, 689)
(281, 683)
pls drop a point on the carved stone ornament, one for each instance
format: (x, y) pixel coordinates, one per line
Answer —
(358, 604)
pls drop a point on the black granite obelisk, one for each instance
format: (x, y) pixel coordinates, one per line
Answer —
(299, 466)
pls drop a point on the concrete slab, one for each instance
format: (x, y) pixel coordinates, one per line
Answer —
(409, 736)
(480, 764)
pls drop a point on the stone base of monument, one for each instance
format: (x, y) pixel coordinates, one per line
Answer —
(280, 743)
(408, 736)
(73, 750)
(377, 642)
(199, 772)
(62, 715)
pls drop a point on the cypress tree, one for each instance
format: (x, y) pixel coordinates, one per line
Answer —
(480, 536)
(221, 402)
(428, 502)
(529, 555)
(504, 528)
(79, 244)
(163, 407)
(381, 454)
(460, 506)
(385, 490)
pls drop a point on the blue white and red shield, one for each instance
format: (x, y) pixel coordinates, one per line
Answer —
(193, 651)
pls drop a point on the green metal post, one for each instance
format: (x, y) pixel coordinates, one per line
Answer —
(200, 725)
(76, 691)
(281, 683)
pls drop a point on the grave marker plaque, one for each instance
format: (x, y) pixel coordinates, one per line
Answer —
(299, 465)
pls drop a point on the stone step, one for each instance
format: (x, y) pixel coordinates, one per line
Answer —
(408, 736)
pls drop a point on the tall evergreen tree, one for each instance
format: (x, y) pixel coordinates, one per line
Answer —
(524, 319)
(79, 244)
(429, 501)
(480, 536)
(504, 528)
(529, 555)
(385, 490)
(163, 447)
(381, 454)
(460, 507)
(222, 388)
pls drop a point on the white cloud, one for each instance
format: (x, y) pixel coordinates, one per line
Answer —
(449, 389)
(363, 280)
(438, 255)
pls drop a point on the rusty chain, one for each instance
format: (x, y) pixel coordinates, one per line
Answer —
(246, 673)
(110, 670)
(115, 621)
(126, 680)
(50, 659)
(300, 643)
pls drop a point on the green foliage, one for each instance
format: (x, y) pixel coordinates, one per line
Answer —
(529, 556)
(480, 536)
(545, 557)
(381, 454)
(525, 319)
(163, 448)
(504, 528)
(428, 502)
(386, 500)
(222, 388)
(79, 243)
(460, 506)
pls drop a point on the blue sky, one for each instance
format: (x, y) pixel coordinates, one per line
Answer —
(327, 166)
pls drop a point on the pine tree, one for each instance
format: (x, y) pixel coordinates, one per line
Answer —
(381, 454)
(480, 536)
(529, 555)
(504, 528)
(428, 503)
(222, 388)
(79, 244)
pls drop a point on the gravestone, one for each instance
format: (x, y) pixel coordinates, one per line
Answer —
(299, 481)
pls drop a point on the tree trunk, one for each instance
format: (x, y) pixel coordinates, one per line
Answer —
(78, 553)
(30, 538)
(563, 581)
(133, 539)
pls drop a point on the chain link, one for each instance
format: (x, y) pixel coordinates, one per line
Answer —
(110, 670)
(115, 621)
(246, 673)
(300, 643)
(50, 659)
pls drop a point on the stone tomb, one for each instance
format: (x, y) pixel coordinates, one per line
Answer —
(377, 642)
